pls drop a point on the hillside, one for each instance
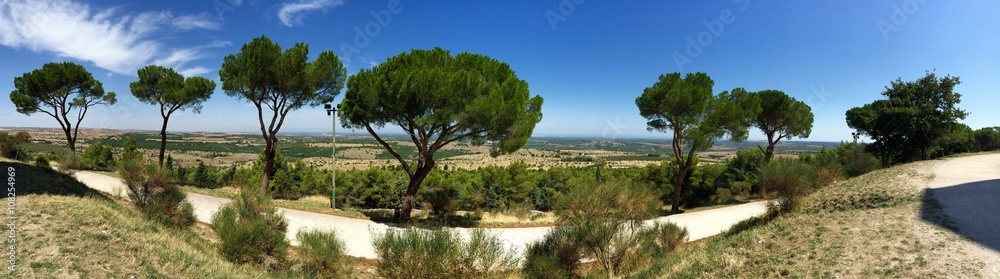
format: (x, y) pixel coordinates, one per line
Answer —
(882, 224)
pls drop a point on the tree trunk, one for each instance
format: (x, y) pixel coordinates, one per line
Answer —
(675, 205)
(885, 160)
(769, 153)
(163, 140)
(268, 164)
(411, 190)
(69, 140)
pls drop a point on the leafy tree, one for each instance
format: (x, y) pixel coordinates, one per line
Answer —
(57, 89)
(988, 138)
(129, 150)
(686, 107)
(164, 87)
(437, 99)
(279, 82)
(98, 155)
(781, 117)
(958, 138)
(875, 121)
(915, 115)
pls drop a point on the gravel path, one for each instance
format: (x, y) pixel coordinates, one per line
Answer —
(357, 233)
(968, 190)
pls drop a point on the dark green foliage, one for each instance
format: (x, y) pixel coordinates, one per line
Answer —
(202, 177)
(988, 138)
(164, 87)
(696, 117)
(958, 138)
(323, 254)
(57, 89)
(279, 81)
(789, 181)
(149, 189)
(9, 144)
(98, 156)
(41, 161)
(437, 99)
(914, 117)
(557, 256)
(419, 253)
(855, 160)
(252, 231)
(780, 117)
(129, 151)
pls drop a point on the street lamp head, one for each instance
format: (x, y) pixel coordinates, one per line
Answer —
(327, 106)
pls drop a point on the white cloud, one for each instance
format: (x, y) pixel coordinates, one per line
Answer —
(117, 43)
(203, 20)
(291, 14)
(196, 71)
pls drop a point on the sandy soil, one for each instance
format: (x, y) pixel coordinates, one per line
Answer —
(968, 190)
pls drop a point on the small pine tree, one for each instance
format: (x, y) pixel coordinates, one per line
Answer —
(129, 150)
(201, 176)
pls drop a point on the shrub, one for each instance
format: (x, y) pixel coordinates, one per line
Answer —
(608, 218)
(663, 238)
(323, 254)
(69, 162)
(98, 156)
(418, 253)
(556, 256)
(856, 161)
(41, 161)
(9, 143)
(790, 180)
(160, 201)
(252, 231)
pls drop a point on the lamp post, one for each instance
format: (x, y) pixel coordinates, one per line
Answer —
(332, 111)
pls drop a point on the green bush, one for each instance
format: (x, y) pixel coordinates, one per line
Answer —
(323, 254)
(856, 161)
(69, 162)
(556, 256)
(419, 253)
(160, 201)
(789, 181)
(9, 143)
(98, 156)
(252, 231)
(663, 238)
(41, 161)
(608, 218)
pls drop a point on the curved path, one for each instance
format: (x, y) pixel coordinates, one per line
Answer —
(968, 191)
(357, 233)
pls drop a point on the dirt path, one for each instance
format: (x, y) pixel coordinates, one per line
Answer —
(357, 233)
(968, 191)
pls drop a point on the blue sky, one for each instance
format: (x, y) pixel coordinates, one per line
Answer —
(588, 59)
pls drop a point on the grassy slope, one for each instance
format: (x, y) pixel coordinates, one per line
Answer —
(868, 226)
(67, 230)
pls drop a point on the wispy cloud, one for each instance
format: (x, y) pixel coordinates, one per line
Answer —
(203, 21)
(291, 13)
(117, 43)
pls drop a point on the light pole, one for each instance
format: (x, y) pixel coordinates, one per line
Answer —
(332, 111)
